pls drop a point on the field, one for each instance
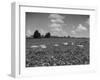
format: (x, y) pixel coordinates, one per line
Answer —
(57, 52)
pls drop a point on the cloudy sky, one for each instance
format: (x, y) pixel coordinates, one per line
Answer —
(57, 24)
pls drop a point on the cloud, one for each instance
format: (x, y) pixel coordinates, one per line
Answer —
(55, 27)
(42, 31)
(56, 16)
(57, 23)
(73, 32)
(29, 33)
(60, 33)
(79, 28)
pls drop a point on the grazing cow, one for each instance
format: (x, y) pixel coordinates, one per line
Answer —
(81, 46)
(65, 43)
(34, 46)
(72, 43)
(56, 45)
(43, 46)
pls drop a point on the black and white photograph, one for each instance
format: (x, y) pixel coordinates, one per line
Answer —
(55, 39)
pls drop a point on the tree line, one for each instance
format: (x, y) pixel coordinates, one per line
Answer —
(37, 34)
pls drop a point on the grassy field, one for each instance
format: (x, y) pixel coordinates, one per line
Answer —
(57, 51)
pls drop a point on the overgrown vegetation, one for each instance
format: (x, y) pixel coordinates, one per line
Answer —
(70, 54)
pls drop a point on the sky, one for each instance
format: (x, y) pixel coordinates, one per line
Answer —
(57, 24)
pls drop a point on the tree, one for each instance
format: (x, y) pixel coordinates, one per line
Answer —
(47, 35)
(68, 36)
(36, 34)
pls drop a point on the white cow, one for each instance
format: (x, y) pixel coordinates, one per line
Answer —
(34, 46)
(66, 43)
(56, 45)
(81, 46)
(43, 46)
(72, 43)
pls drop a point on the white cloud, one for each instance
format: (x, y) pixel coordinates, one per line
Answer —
(57, 23)
(60, 33)
(73, 32)
(29, 33)
(56, 16)
(54, 25)
(42, 31)
(79, 28)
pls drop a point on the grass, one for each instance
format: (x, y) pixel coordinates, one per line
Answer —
(57, 55)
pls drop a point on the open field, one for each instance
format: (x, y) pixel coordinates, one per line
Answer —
(57, 51)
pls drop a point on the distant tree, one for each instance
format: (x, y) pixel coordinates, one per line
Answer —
(36, 34)
(47, 35)
(64, 36)
(68, 36)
